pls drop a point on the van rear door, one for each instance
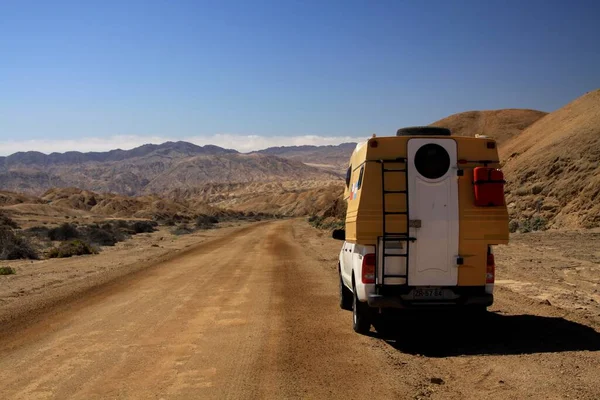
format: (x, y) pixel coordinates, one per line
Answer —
(433, 211)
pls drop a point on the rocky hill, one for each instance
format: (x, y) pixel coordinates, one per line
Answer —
(10, 198)
(498, 124)
(332, 157)
(553, 167)
(287, 198)
(167, 149)
(59, 204)
(149, 169)
(551, 163)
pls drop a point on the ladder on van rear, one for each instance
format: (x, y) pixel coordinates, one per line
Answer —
(391, 168)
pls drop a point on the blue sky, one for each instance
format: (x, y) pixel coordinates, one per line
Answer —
(97, 75)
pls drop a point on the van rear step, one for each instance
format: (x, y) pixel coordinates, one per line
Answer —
(383, 301)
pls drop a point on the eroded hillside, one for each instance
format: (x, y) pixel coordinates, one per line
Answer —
(328, 157)
(553, 167)
(498, 124)
(149, 169)
(551, 163)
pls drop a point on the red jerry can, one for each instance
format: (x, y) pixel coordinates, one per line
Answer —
(489, 186)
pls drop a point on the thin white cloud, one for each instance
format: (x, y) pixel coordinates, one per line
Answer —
(243, 143)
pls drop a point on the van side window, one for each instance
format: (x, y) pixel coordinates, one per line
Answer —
(360, 177)
(348, 176)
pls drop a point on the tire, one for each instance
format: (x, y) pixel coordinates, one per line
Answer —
(423, 131)
(361, 315)
(345, 296)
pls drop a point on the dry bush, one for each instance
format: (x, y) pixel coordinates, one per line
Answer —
(205, 221)
(144, 226)
(7, 271)
(533, 224)
(513, 226)
(72, 248)
(14, 246)
(333, 217)
(64, 232)
(182, 229)
(326, 223)
(101, 236)
(121, 223)
(39, 232)
(7, 221)
(169, 222)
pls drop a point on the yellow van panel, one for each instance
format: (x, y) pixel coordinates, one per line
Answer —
(478, 226)
(473, 271)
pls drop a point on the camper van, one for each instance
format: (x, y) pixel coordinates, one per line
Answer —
(424, 210)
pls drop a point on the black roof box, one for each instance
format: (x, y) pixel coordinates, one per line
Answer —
(423, 131)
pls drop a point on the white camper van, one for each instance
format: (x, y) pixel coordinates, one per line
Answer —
(424, 210)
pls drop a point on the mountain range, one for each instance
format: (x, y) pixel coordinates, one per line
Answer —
(329, 157)
(551, 163)
(149, 169)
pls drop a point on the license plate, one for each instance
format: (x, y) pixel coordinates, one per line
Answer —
(428, 293)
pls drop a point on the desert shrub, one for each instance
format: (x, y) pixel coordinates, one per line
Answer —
(169, 219)
(7, 271)
(7, 221)
(169, 222)
(525, 226)
(144, 226)
(533, 224)
(326, 223)
(115, 230)
(334, 224)
(513, 225)
(72, 248)
(101, 236)
(205, 221)
(538, 224)
(182, 229)
(64, 232)
(14, 246)
(315, 220)
(121, 224)
(40, 232)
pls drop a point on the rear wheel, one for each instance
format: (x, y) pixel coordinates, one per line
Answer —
(361, 315)
(345, 296)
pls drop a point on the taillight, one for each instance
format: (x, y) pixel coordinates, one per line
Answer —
(368, 268)
(491, 267)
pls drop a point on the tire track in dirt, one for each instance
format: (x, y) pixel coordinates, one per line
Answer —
(255, 315)
(137, 338)
(319, 355)
(77, 298)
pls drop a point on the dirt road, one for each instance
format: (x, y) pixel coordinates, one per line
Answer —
(254, 315)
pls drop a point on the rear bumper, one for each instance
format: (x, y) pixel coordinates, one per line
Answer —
(391, 301)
